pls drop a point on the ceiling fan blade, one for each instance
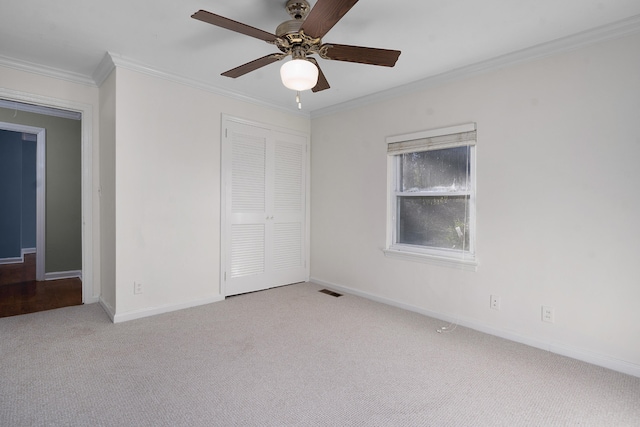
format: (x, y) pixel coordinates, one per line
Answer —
(253, 65)
(230, 24)
(322, 80)
(361, 55)
(324, 15)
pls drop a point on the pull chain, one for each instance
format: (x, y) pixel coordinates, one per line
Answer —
(298, 101)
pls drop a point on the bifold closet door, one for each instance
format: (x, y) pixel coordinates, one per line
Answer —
(264, 207)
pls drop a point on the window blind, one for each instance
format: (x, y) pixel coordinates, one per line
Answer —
(432, 143)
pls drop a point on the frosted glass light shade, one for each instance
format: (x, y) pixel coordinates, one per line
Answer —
(299, 74)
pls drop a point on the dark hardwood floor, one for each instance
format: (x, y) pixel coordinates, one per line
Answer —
(20, 293)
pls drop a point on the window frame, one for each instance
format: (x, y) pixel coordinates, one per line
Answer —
(426, 141)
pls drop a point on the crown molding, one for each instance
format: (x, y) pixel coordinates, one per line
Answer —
(104, 68)
(113, 60)
(46, 71)
(618, 29)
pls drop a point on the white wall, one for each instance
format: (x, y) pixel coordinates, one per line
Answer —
(107, 178)
(167, 190)
(557, 211)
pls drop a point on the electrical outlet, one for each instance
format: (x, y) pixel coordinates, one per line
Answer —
(548, 314)
(494, 303)
(137, 288)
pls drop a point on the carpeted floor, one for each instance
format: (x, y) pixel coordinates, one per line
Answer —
(291, 356)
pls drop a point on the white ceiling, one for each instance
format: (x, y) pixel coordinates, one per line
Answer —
(435, 37)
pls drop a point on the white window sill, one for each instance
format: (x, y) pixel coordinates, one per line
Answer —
(468, 264)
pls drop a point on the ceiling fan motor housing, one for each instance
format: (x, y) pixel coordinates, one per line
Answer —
(291, 40)
(289, 27)
(290, 30)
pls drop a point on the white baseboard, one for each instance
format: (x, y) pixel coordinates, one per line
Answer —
(14, 260)
(564, 350)
(91, 300)
(63, 275)
(152, 311)
(20, 259)
(107, 308)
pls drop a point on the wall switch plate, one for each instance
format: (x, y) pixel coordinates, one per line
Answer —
(548, 314)
(137, 288)
(494, 303)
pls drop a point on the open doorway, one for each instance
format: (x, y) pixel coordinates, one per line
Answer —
(90, 292)
(58, 250)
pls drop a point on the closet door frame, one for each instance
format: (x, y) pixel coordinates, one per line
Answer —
(225, 170)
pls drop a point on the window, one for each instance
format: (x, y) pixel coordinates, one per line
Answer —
(432, 196)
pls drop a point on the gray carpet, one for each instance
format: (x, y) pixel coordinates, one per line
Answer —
(291, 356)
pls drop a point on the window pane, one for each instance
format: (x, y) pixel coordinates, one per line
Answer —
(439, 222)
(437, 170)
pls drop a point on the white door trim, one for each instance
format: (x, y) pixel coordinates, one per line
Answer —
(40, 189)
(89, 294)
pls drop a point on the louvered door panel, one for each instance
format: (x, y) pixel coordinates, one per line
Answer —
(247, 249)
(248, 174)
(287, 245)
(289, 180)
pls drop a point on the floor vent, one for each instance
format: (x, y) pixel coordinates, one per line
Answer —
(328, 292)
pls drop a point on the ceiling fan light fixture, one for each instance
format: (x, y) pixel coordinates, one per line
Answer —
(299, 74)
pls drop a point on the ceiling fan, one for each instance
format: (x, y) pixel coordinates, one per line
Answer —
(301, 37)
